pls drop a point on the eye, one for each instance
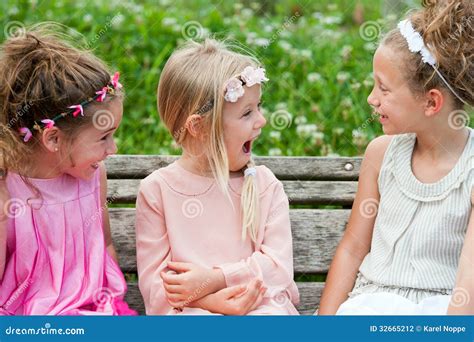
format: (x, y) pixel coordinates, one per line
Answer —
(247, 114)
(105, 137)
(382, 88)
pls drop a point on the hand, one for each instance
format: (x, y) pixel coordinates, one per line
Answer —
(189, 282)
(235, 300)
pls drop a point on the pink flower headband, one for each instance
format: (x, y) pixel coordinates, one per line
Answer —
(233, 90)
(250, 76)
(75, 110)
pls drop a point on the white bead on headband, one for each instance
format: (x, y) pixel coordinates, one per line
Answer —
(416, 44)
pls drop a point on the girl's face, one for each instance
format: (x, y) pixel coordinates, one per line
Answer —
(400, 111)
(94, 143)
(243, 122)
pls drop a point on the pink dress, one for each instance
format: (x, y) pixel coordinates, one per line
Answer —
(186, 217)
(57, 262)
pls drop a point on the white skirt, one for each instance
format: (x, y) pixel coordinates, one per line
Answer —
(384, 303)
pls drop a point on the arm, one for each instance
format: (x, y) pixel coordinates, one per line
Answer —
(153, 248)
(272, 262)
(355, 244)
(105, 213)
(235, 300)
(465, 276)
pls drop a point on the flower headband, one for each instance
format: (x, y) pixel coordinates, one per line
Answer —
(233, 90)
(250, 76)
(75, 110)
(416, 44)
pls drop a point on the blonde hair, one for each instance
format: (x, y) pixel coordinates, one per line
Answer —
(447, 28)
(194, 76)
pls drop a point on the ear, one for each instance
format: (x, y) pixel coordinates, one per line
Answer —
(434, 102)
(50, 137)
(193, 125)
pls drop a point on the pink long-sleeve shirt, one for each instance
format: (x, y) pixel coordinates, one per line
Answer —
(185, 217)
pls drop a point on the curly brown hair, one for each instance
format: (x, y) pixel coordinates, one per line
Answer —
(447, 28)
(41, 75)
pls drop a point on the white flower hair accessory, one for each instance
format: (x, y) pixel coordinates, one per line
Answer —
(249, 77)
(416, 44)
(415, 41)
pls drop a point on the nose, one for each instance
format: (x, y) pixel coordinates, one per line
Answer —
(372, 99)
(111, 148)
(261, 121)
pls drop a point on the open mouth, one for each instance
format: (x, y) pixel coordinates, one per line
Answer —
(247, 147)
(380, 115)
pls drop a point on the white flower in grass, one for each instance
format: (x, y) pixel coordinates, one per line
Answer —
(168, 21)
(274, 152)
(314, 77)
(305, 53)
(359, 137)
(261, 42)
(117, 21)
(342, 76)
(300, 120)
(369, 82)
(346, 102)
(306, 130)
(268, 28)
(318, 138)
(275, 135)
(246, 13)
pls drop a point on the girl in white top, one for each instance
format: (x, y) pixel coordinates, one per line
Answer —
(413, 212)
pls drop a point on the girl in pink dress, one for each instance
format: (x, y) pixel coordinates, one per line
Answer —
(59, 110)
(213, 230)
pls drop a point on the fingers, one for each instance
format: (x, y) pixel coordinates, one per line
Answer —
(174, 304)
(258, 300)
(254, 295)
(170, 278)
(179, 266)
(253, 285)
(172, 288)
(175, 297)
(233, 291)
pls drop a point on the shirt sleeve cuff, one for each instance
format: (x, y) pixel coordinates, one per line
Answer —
(236, 273)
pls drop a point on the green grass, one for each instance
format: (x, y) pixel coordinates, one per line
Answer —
(316, 59)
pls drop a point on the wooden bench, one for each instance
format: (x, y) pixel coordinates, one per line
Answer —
(322, 190)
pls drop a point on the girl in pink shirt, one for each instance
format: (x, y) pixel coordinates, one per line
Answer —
(213, 230)
(59, 108)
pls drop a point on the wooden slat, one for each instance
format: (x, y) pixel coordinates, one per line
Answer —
(310, 295)
(316, 234)
(298, 192)
(285, 168)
